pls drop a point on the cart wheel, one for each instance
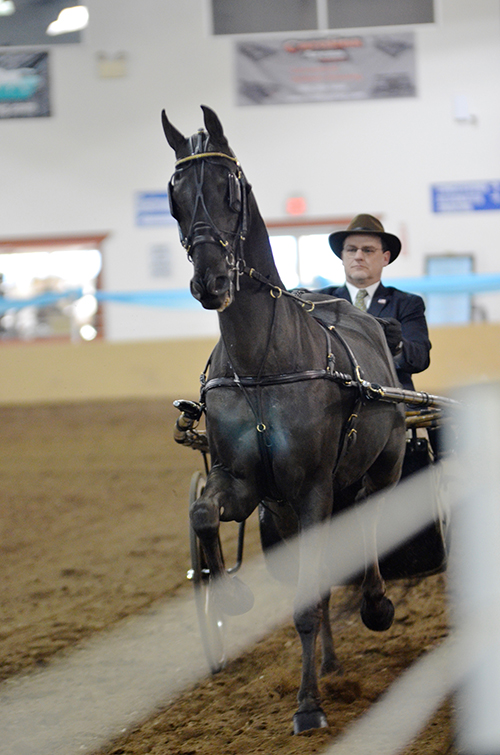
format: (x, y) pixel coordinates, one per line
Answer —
(210, 619)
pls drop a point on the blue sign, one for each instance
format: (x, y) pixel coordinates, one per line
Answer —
(152, 208)
(466, 196)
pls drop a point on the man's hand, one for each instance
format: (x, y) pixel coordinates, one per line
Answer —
(393, 334)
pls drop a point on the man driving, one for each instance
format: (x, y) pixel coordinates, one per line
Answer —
(365, 249)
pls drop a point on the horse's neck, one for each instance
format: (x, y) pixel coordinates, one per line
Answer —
(262, 333)
(257, 247)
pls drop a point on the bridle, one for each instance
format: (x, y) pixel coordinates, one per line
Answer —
(207, 231)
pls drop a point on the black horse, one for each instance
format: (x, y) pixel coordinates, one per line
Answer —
(284, 423)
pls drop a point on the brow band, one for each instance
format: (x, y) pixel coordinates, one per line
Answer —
(203, 155)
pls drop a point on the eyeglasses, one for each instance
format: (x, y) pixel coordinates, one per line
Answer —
(366, 250)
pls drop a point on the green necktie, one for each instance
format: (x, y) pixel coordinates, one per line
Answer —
(360, 302)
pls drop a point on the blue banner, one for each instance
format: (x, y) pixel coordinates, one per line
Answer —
(42, 300)
(466, 196)
(182, 299)
(448, 284)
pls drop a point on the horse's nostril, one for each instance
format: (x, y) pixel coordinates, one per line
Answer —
(218, 285)
(196, 288)
(214, 287)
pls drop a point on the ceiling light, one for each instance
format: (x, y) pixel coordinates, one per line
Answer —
(7, 7)
(68, 20)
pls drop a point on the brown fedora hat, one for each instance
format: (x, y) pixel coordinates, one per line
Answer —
(369, 225)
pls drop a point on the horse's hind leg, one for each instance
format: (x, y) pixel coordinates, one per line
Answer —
(377, 610)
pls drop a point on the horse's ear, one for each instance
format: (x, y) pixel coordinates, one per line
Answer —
(174, 137)
(213, 125)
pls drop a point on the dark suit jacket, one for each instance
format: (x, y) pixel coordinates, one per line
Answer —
(409, 310)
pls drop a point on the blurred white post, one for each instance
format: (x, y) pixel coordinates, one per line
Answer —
(475, 571)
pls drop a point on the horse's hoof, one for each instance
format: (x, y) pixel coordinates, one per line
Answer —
(233, 598)
(377, 615)
(309, 719)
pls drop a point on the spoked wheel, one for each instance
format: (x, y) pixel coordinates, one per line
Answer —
(210, 619)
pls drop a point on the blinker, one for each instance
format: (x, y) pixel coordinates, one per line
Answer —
(173, 209)
(234, 191)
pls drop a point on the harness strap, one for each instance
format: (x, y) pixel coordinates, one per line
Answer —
(266, 380)
(352, 358)
(369, 391)
(253, 381)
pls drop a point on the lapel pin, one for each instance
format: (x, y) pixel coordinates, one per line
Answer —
(382, 301)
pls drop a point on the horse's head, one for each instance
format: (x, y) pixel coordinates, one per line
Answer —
(208, 198)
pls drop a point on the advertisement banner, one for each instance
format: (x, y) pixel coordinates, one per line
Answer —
(24, 85)
(324, 69)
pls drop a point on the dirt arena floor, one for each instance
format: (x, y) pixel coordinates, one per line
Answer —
(94, 529)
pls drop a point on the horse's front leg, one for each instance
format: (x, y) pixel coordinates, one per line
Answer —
(222, 499)
(309, 611)
(310, 714)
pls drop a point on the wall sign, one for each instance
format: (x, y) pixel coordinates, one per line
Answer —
(160, 261)
(326, 68)
(153, 208)
(466, 196)
(24, 85)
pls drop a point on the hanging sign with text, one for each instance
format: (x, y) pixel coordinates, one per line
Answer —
(326, 68)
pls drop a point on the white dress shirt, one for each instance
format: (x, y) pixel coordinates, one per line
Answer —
(353, 290)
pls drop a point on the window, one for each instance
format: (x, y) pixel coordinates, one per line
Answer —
(48, 289)
(344, 14)
(446, 309)
(243, 17)
(28, 24)
(260, 16)
(303, 255)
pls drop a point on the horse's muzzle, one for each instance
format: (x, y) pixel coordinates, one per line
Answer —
(214, 293)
